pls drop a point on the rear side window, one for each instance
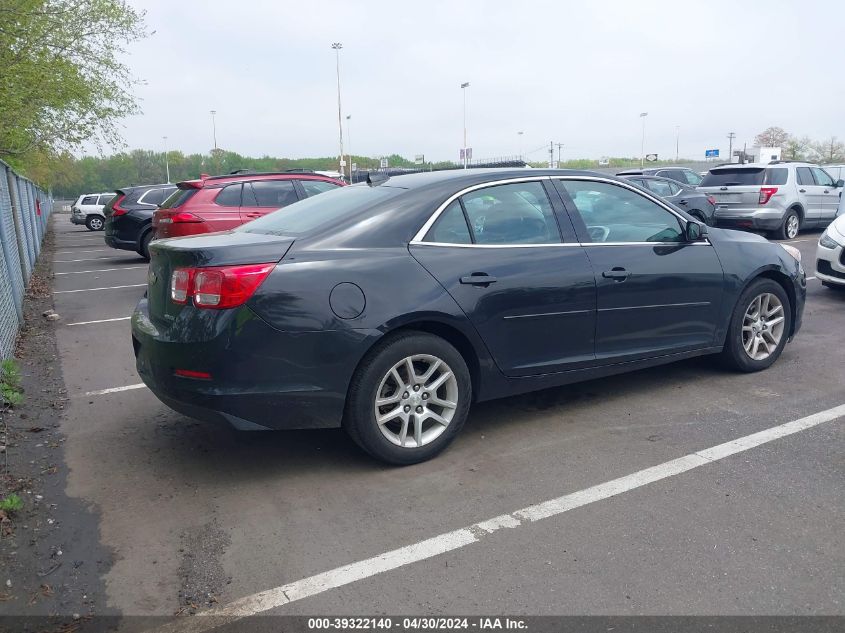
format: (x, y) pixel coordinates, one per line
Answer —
(660, 187)
(691, 178)
(178, 198)
(229, 196)
(89, 200)
(274, 193)
(518, 213)
(734, 177)
(805, 176)
(451, 227)
(104, 200)
(776, 176)
(314, 187)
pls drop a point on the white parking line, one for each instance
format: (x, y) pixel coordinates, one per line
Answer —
(99, 270)
(96, 250)
(98, 321)
(450, 541)
(72, 261)
(809, 278)
(102, 392)
(63, 292)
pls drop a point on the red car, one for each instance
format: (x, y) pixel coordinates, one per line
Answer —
(219, 203)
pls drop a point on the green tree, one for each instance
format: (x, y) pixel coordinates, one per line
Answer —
(829, 151)
(772, 137)
(61, 78)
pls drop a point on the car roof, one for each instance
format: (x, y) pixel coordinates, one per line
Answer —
(476, 176)
(130, 189)
(225, 179)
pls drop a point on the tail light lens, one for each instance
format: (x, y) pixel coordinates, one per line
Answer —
(711, 200)
(183, 217)
(116, 209)
(217, 287)
(766, 194)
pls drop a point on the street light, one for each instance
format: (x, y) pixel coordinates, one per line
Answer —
(166, 162)
(519, 134)
(349, 147)
(464, 86)
(336, 47)
(677, 141)
(214, 127)
(643, 115)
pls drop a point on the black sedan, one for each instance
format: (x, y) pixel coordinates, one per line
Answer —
(700, 206)
(388, 307)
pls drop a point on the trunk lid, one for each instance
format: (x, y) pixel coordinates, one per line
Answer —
(734, 187)
(214, 249)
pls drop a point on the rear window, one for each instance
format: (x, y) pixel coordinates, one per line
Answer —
(178, 198)
(155, 196)
(309, 214)
(748, 177)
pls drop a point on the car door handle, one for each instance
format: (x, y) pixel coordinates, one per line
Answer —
(617, 274)
(802, 191)
(478, 279)
(254, 214)
(683, 202)
(827, 190)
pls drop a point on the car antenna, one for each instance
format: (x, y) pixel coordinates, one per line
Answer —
(377, 178)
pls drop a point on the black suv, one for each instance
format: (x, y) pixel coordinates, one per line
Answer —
(129, 217)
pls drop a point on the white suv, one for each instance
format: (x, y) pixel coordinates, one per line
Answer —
(781, 197)
(88, 210)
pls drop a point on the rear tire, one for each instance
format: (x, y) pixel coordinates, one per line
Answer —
(764, 320)
(410, 426)
(791, 226)
(144, 249)
(95, 223)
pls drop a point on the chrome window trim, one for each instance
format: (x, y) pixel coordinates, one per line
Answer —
(418, 238)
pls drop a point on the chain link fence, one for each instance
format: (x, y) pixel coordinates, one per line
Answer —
(24, 211)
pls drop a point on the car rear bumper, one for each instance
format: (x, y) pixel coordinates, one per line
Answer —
(261, 378)
(77, 218)
(750, 218)
(125, 245)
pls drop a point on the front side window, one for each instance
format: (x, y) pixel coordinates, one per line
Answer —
(516, 213)
(315, 187)
(822, 177)
(451, 227)
(613, 213)
(691, 178)
(274, 193)
(660, 187)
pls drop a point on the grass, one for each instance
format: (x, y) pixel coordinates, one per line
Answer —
(12, 503)
(10, 381)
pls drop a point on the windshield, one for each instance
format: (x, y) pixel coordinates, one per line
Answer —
(307, 215)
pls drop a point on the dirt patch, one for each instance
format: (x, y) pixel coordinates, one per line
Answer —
(202, 574)
(51, 560)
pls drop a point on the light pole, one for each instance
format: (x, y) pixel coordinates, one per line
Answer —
(520, 144)
(464, 87)
(677, 142)
(349, 146)
(559, 146)
(643, 115)
(166, 161)
(731, 137)
(214, 127)
(336, 47)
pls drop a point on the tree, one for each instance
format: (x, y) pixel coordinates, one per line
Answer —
(62, 82)
(796, 148)
(829, 151)
(771, 137)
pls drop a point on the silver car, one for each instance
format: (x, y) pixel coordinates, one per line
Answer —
(781, 197)
(830, 255)
(88, 210)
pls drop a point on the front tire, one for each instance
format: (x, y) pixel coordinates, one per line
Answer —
(408, 399)
(759, 327)
(94, 223)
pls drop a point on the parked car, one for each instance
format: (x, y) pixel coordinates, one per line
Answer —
(88, 210)
(680, 174)
(830, 255)
(129, 216)
(224, 202)
(835, 171)
(388, 307)
(781, 197)
(699, 205)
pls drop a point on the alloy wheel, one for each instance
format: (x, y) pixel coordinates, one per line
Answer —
(96, 223)
(416, 400)
(792, 224)
(762, 326)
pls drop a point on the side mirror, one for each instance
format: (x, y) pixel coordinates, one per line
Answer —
(695, 231)
(839, 184)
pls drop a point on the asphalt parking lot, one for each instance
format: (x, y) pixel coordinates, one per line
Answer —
(200, 514)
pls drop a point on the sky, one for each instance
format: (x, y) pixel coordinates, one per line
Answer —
(576, 73)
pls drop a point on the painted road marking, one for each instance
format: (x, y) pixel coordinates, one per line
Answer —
(100, 270)
(72, 261)
(95, 250)
(457, 539)
(62, 292)
(98, 321)
(102, 392)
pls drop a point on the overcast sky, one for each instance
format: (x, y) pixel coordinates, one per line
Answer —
(578, 73)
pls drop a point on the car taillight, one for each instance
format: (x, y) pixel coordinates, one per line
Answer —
(217, 287)
(766, 194)
(116, 209)
(184, 216)
(711, 200)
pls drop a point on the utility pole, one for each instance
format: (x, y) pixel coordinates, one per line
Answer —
(643, 115)
(677, 141)
(551, 154)
(349, 147)
(464, 87)
(336, 47)
(166, 161)
(519, 134)
(559, 145)
(731, 137)
(214, 128)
